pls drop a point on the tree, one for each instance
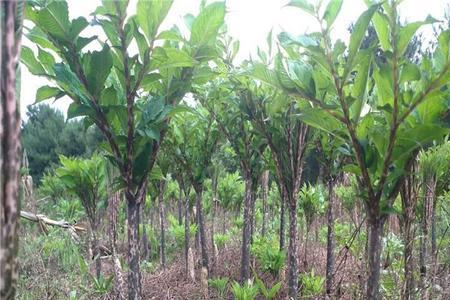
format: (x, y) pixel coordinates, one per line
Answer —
(353, 89)
(11, 13)
(129, 97)
(45, 134)
(86, 179)
(195, 138)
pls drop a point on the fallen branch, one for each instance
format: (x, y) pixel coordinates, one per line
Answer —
(44, 221)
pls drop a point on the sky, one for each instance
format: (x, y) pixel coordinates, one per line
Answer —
(248, 21)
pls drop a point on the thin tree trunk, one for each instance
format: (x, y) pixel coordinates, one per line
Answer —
(134, 274)
(282, 222)
(180, 209)
(113, 211)
(252, 215)
(265, 193)
(201, 226)
(374, 253)
(187, 234)
(246, 230)
(162, 224)
(330, 238)
(293, 249)
(9, 148)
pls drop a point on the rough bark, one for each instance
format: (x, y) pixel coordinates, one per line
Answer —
(134, 274)
(330, 238)
(9, 148)
(374, 252)
(162, 218)
(282, 221)
(265, 193)
(180, 208)
(187, 238)
(245, 250)
(408, 195)
(201, 227)
(293, 250)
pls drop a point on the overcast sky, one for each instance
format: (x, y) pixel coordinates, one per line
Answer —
(249, 21)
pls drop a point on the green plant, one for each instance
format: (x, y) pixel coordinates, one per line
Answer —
(267, 293)
(221, 239)
(244, 292)
(100, 285)
(311, 284)
(176, 231)
(219, 284)
(269, 256)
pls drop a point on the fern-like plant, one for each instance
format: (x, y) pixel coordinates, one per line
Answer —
(244, 292)
(268, 293)
(220, 285)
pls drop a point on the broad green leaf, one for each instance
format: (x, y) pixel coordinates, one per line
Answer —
(54, 19)
(359, 88)
(36, 35)
(406, 33)
(78, 25)
(265, 75)
(303, 5)
(97, 66)
(207, 23)
(383, 80)
(150, 15)
(69, 82)
(320, 119)
(79, 110)
(332, 11)
(409, 72)
(46, 92)
(381, 25)
(27, 58)
(172, 58)
(301, 75)
(358, 33)
(46, 59)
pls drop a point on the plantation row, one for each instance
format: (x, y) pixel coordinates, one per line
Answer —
(317, 169)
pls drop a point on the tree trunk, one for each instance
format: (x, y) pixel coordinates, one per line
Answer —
(265, 193)
(282, 222)
(374, 253)
(96, 251)
(162, 224)
(9, 148)
(246, 231)
(293, 249)
(113, 211)
(425, 247)
(201, 227)
(187, 236)
(330, 238)
(180, 209)
(408, 195)
(134, 274)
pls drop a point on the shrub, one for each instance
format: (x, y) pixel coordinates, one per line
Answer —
(244, 292)
(311, 284)
(221, 239)
(269, 294)
(220, 285)
(270, 258)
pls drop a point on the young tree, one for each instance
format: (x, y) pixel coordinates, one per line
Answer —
(396, 97)
(86, 179)
(129, 97)
(11, 13)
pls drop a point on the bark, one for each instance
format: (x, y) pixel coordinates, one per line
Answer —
(162, 224)
(180, 209)
(374, 252)
(408, 195)
(201, 226)
(293, 250)
(425, 247)
(134, 274)
(246, 231)
(330, 238)
(282, 223)
(113, 212)
(187, 244)
(9, 148)
(265, 193)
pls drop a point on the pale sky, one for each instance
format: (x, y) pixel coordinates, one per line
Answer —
(249, 21)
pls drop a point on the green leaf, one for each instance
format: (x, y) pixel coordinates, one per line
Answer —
(409, 72)
(150, 15)
(27, 58)
(97, 66)
(332, 11)
(381, 24)
(207, 23)
(359, 31)
(383, 81)
(78, 25)
(46, 59)
(54, 19)
(359, 88)
(303, 5)
(406, 33)
(173, 58)
(46, 92)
